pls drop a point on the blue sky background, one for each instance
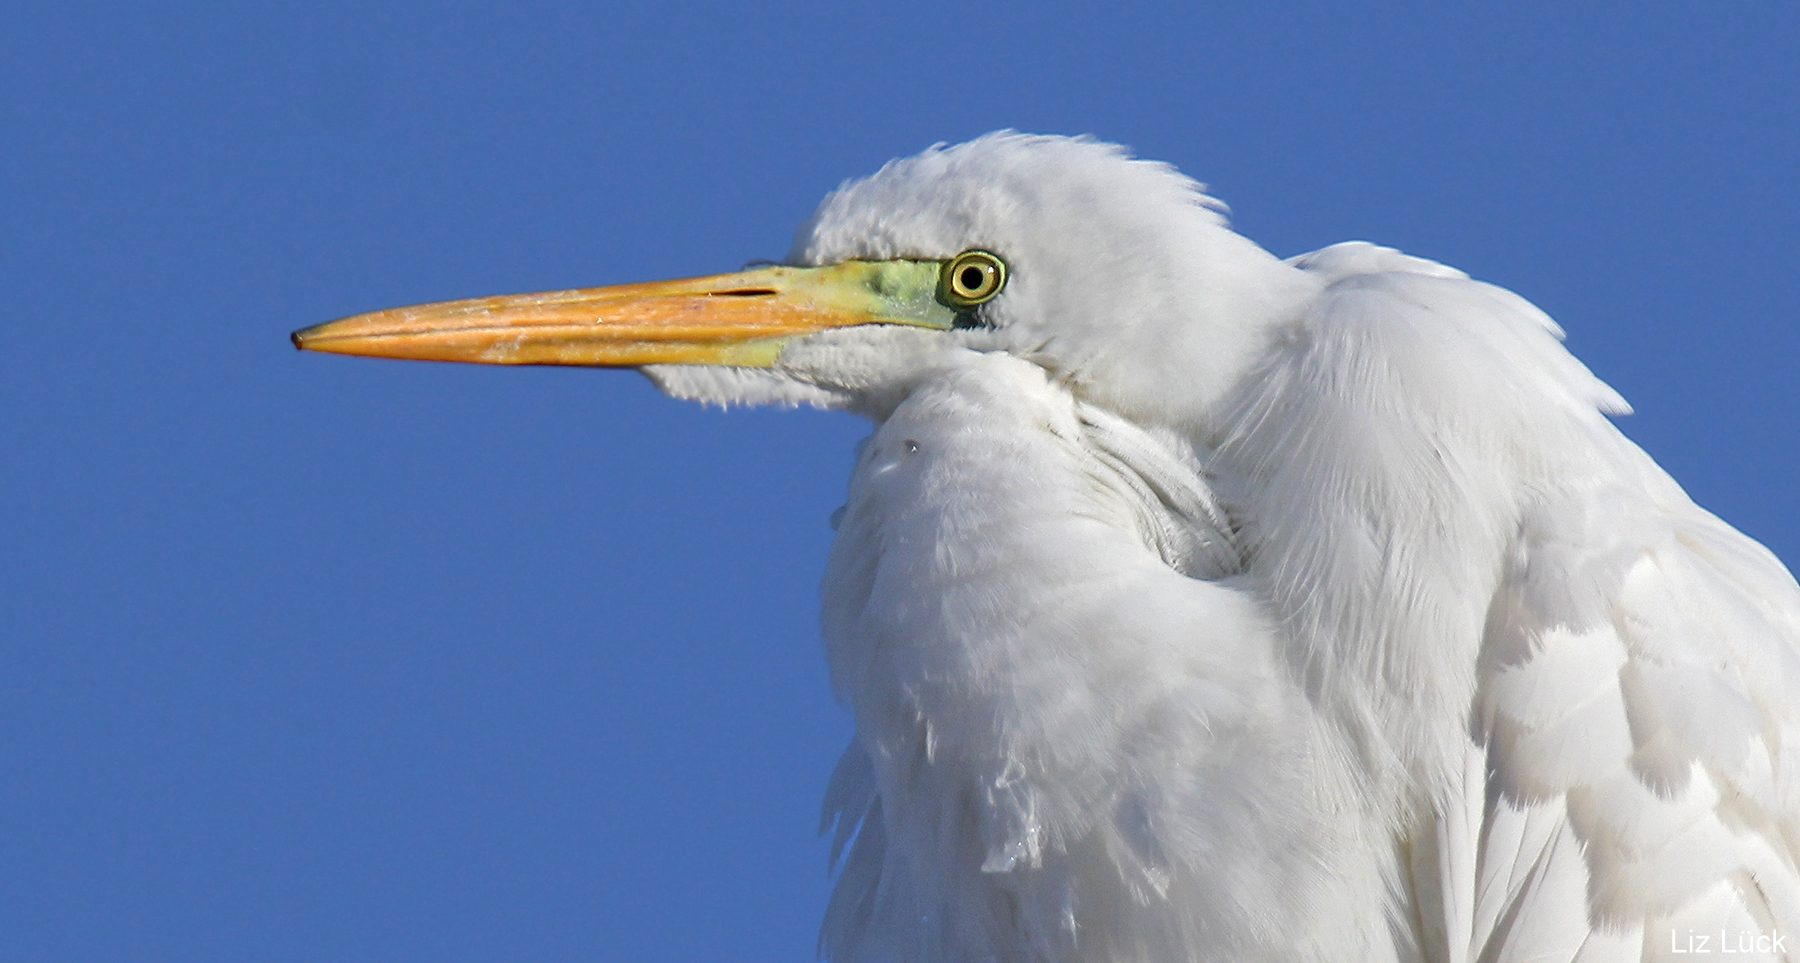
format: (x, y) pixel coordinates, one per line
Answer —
(307, 658)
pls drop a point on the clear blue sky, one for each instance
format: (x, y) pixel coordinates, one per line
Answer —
(322, 659)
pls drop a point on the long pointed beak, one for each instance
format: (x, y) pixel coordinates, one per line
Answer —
(729, 319)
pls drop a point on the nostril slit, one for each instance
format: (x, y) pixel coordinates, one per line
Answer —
(745, 293)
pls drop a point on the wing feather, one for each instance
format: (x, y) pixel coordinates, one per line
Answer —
(1634, 720)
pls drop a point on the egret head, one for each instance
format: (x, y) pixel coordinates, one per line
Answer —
(1118, 275)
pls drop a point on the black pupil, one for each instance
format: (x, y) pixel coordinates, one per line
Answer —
(972, 278)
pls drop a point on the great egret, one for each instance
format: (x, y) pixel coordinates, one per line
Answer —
(1198, 605)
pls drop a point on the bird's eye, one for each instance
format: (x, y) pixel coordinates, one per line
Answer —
(971, 278)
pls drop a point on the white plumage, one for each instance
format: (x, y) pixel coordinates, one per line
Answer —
(1457, 674)
(1198, 605)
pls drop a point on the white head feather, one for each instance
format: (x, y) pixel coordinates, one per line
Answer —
(1124, 281)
